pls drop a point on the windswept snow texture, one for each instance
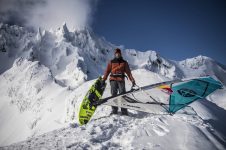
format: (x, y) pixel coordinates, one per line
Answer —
(200, 126)
(45, 75)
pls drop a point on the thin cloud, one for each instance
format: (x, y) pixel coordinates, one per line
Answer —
(47, 13)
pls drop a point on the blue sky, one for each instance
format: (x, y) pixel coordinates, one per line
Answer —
(176, 29)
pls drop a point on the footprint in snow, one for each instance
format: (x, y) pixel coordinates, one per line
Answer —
(163, 120)
(160, 130)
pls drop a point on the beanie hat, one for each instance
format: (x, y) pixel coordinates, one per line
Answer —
(117, 50)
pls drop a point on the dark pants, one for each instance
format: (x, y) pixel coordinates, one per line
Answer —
(118, 86)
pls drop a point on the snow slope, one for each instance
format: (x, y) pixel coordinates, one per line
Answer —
(30, 101)
(202, 66)
(200, 126)
(44, 76)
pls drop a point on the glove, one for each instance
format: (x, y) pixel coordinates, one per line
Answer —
(133, 83)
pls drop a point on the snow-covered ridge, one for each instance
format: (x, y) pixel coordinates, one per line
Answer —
(78, 56)
(71, 57)
(202, 66)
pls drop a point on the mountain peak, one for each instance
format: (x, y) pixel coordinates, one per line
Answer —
(65, 28)
(82, 50)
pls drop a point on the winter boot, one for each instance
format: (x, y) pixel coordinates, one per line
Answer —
(124, 111)
(114, 110)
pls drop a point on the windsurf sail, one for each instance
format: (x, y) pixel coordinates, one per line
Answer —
(187, 92)
(165, 97)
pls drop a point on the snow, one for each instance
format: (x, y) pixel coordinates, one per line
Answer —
(28, 100)
(202, 66)
(45, 75)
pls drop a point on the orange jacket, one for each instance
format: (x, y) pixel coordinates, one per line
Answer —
(118, 68)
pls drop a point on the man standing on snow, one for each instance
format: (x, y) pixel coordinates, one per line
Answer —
(118, 67)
